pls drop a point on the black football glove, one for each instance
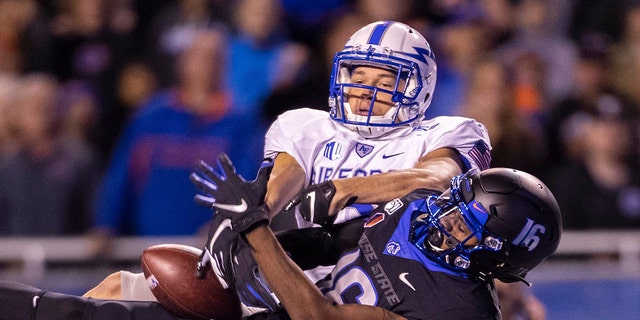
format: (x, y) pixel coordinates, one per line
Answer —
(230, 195)
(313, 203)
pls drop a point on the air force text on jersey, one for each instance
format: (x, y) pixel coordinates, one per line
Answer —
(328, 173)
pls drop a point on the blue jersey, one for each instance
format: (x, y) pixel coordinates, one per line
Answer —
(146, 189)
(386, 270)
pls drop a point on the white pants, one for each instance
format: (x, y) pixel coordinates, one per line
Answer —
(134, 287)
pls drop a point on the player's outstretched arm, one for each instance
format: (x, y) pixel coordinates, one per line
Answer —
(321, 202)
(299, 296)
(287, 178)
(433, 171)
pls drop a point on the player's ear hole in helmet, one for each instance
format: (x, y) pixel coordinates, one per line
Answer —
(398, 49)
(505, 223)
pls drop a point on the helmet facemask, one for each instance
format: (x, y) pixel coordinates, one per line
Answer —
(397, 95)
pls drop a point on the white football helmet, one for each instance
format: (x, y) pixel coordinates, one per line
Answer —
(395, 47)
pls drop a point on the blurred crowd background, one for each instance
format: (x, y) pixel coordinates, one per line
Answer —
(106, 105)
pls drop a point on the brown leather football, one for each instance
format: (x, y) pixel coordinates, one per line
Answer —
(170, 273)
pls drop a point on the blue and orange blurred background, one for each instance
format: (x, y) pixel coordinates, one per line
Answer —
(106, 105)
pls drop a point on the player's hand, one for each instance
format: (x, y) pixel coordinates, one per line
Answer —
(230, 195)
(313, 202)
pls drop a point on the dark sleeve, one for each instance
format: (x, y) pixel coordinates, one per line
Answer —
(322, 246)
(20, 301)
(312, 247)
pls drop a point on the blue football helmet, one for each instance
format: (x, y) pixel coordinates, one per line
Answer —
(510, 221)
(394, 47)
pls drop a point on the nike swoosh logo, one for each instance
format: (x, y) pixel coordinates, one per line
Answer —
(384, 156)
(475, 205)
(403, 278)
(226, 223)
(237, 208)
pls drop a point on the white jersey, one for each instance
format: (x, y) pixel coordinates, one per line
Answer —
(327, 150)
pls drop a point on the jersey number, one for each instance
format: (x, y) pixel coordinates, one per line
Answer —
(352, 284)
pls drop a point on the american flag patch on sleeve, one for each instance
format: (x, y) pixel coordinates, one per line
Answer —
(481, 154)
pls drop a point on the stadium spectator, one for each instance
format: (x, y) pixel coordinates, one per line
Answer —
(79, 114)
(169, 30)
(602, 17)
(489, 98)
(601, 188)
(17, 21)
(462, 45)
(146, 190)
(135, 84)
(262, 58)
(90, 41)
(589, 77)
(624, 58)
(8, 96)
(47, 187)
(534, 37)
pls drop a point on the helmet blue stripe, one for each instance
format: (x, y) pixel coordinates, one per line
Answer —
(378, 32)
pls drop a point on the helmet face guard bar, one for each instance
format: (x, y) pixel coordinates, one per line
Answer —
(344, 114)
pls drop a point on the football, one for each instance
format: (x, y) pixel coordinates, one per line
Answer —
(170, 273)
